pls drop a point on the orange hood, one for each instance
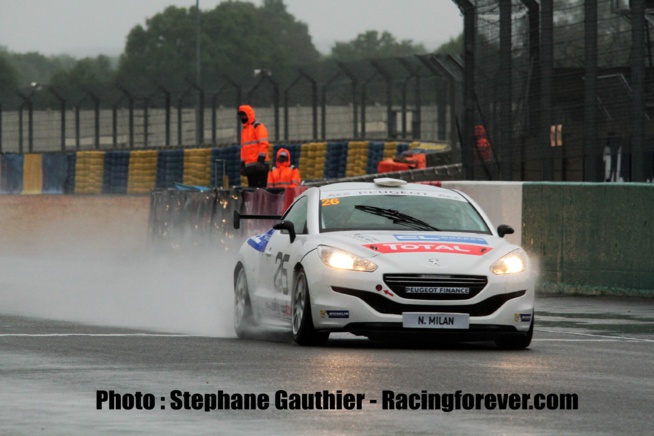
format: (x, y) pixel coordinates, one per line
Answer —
(248, 111)
(282, 164)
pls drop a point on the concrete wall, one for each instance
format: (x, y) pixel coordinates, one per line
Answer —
(61, 223)
(591, 238)
(584, 238)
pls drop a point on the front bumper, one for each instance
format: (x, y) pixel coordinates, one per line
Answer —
(395, 331)
(362, 303)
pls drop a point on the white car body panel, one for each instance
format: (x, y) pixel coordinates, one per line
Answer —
(271, 261)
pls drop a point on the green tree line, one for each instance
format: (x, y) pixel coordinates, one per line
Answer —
(236, 38)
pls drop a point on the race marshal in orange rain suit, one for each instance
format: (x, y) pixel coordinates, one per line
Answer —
(283, 174)
(254, 148)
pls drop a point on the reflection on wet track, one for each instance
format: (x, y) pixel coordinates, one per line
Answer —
(600, 317)
(599, 349)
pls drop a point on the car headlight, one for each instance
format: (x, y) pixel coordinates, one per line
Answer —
(514, 262)
(342, 259)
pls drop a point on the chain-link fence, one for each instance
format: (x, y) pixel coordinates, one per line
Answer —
(401, 98)
(551, 90)
(558, 90)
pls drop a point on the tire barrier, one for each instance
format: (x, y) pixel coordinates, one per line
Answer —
(375, 155)
(89, 172)
(142, 174)
(312, 160)
(170, 168)
(226, 163)
(116, 172)
(357, 158)
(336, 160)
(11, 173)
(71, 161)
(55, 169)
(137, 172)
(197, 167)
(33, 174)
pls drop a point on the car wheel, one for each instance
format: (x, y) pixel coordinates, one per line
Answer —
(243, 319)
(519, 341)
(302, 327)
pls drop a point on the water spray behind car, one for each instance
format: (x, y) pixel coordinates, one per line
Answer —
(66, 277)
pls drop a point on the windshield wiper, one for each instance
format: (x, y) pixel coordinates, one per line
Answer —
(397, 217)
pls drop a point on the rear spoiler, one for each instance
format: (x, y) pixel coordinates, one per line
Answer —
(238, 217)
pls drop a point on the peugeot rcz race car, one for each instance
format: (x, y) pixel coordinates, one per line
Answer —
(385, 260)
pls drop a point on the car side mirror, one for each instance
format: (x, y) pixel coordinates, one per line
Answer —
(286, 225)
(504, 229)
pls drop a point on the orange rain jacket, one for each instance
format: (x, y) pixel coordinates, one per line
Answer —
(283, 174)
(254, 138)
(483, 145)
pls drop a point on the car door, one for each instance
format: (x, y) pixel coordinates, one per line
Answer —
(278, 258)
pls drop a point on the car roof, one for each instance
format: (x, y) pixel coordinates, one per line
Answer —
(377, 187)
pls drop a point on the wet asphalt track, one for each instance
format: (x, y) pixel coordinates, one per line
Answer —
(600, 349)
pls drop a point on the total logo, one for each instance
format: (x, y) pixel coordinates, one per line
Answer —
(419, 247)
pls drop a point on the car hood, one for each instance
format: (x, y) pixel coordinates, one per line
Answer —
(461, 252)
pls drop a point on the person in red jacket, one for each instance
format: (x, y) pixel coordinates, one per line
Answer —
(483, 145)
(283, 174)
(254, 148)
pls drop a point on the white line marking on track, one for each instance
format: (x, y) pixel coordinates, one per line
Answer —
(579, 340)
(43, 335)
(591, 335)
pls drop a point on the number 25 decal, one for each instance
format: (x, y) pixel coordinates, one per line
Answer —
(281, 274)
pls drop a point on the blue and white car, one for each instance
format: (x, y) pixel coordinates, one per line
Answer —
(385, 260)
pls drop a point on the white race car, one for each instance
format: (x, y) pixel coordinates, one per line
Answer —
(385, 260)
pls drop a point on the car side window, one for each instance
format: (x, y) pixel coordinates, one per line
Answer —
(297, 214)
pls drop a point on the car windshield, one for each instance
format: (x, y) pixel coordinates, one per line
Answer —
(426, 211)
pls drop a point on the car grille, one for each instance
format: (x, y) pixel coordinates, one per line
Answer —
(435, 286)
(385, 305)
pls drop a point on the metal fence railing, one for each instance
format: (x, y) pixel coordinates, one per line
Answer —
(558, 90)
(544, 90)
(400, 98)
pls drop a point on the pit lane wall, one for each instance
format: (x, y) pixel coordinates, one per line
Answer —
(584, 238)
(591, 238)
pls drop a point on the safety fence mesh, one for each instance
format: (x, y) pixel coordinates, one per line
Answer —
(555, 90)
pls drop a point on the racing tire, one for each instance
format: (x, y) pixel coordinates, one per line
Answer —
(518, 341)
(304, 333)
(243, 316)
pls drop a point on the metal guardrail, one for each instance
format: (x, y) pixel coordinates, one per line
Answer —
(444, 172)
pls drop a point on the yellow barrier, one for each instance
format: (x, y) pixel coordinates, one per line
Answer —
(197, 168)
(390, 150)
(357, 158)
(312, 160)
(142, 174)
(430, 146)
(33, 174)
(89, 172)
